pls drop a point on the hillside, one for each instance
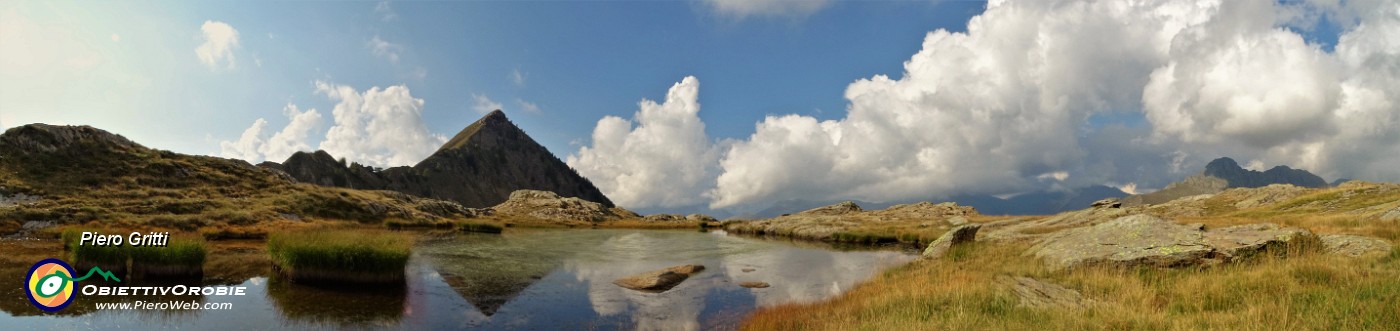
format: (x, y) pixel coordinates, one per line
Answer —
(479, 167)
(1224, 173)
(80, 174)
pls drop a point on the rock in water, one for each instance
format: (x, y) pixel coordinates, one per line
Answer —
(754, 285)
(1129, 240)
(1035, 293)
(1247, 240)
(957, 236)
(1353, 246)
(659, 280)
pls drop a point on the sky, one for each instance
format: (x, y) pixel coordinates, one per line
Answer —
(733, 105)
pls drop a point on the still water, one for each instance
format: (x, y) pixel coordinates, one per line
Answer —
(524, 279)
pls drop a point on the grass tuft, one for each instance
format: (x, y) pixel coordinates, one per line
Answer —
(340, 256)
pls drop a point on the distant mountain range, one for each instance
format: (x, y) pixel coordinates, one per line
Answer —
(1224, 173)
(478, 168)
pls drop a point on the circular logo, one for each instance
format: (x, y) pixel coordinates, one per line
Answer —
(48, 285)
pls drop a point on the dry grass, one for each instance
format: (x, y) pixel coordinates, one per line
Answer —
(1306, 290)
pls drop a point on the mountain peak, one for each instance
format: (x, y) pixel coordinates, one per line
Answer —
(494, 123)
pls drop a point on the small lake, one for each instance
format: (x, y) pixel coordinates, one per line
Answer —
(524, 279)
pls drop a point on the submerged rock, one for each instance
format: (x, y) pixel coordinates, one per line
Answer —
(659, 280)
(1350, 245)
(957, 236)
(1036, 293)
(754, 284)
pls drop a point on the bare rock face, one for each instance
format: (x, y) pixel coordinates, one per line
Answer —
(1107, 203)
(957, 236)
(842, 208)
(663, 218)
(547, 205)
(1353, 246)
(1131, 240)
(700, 218)
(1392, 215)
(1247, 240)
(659, 280)
(1039, 294)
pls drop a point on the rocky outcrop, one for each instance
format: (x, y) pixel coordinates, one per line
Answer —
(1192, 186)
(44, 138)
(1242, 241)
(926, 210)
(659, 280)
(957, 236)
(547, 206)
(1144, 240)
(1353, 246)
(1127, 241)
(842, 208)
(477, 168)
(1039, 294)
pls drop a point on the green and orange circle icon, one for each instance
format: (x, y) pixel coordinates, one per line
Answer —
(49, 285)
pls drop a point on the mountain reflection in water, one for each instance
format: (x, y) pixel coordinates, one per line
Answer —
(533, 279)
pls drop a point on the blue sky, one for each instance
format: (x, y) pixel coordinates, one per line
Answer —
(748, 102)
(580, 61)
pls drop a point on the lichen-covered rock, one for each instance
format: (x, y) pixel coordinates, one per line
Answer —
(700, 218)
(659, 280)
(1250, 239)
(1107, 203)
(1039, 294)
(663, 218)
(1350, 245)
(957, 236)
(926, 209)
(754, 284)
(842, 208)
(1126, 241)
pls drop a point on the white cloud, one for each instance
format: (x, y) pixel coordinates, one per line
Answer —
(220, 39)
(483, 104)
(666, 160)
(385, 12)
(528, 107)
(745, 8)
(1008, 104)
(255, 147)
(517, 78)
(384, 49)
(378, 127)
(116, 37)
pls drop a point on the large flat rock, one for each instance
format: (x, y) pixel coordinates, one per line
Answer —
(1126, 241)
(659, 280)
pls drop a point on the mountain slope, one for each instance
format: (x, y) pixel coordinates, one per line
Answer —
(479, 167)
(1224, 173)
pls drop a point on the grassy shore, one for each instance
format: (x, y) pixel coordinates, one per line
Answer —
(1302, 289)
(1306, 290)
(183, 256)
(341, 255)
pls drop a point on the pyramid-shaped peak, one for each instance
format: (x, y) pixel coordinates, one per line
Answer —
(494, 123)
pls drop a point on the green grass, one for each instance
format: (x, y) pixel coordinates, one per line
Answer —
(101, 254)
(183, 251)
(340, 255)
(398, 224)
(481, 227)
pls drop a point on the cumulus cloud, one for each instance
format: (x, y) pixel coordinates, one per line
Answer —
(220, 39)
(385, 12)
(665, 160)
(745, 8)
(483, 104)
(517, 77)
(1020, 99)
(254, 146)
(379, 127)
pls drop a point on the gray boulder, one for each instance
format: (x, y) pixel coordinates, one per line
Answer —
(1349, 245)
(1107, 203)
(1248, 240)
(1130, 240)
(965, 233)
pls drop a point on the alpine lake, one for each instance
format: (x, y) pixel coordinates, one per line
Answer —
(522, 279)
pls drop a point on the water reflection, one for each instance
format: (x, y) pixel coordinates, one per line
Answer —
(530, 279)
